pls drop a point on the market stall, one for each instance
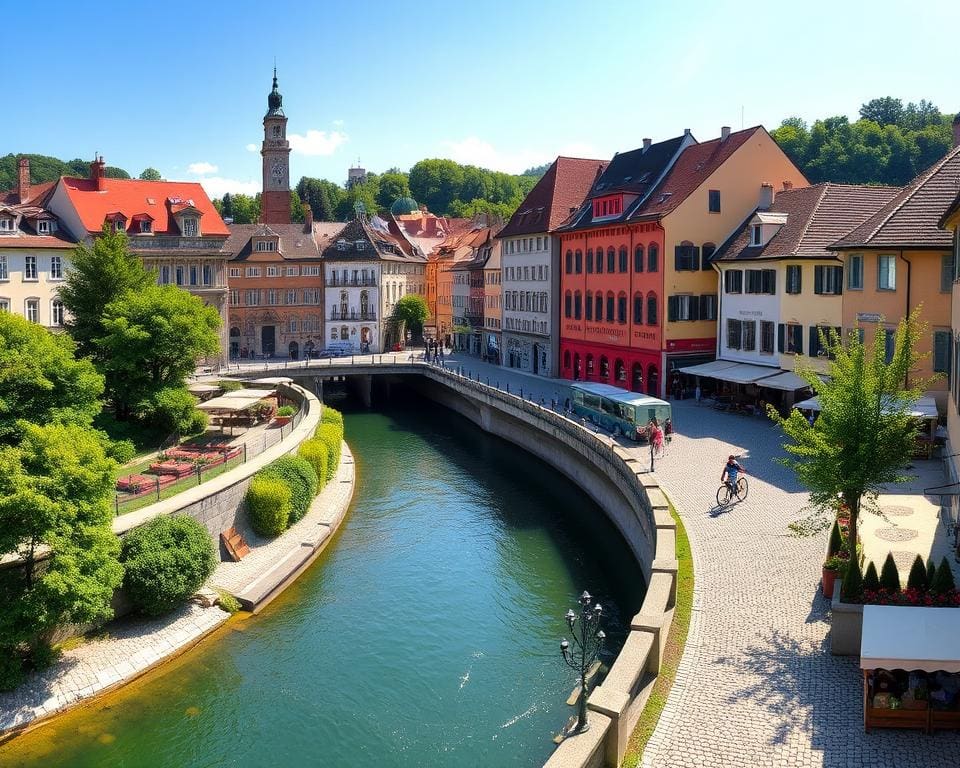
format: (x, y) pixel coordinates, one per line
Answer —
(910, 659)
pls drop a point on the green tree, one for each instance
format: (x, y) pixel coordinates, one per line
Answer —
(150, 174)
(436, 183)
(41, 381)
(152, 340)
(54, 498)
(864, 436)
(412, 311)
(296, 207)
(45, 168)
(99, 275)
(889, 575)
(393, 185)
(884, 111)
(246, 209)
(226, 205)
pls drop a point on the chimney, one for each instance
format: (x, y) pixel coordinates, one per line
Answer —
(307, 217)
(23, 179)
(96, 172)
(766, 196)
(646, 144)
(686, 131)
(956, 130)
(724, 133)
(787, 185)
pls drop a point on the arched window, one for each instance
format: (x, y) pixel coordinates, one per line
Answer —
(604, 367)
(589, 261)
(624, 259)
(638, 308)
(653, 380)
(333, 334)
(620, 370)
(567, 304)
(589, 305)
(578, 261)
(577, 305)
(622, 308)
(569, 265)
(609, 306)
(651, 309)
(637, 377)
(566, 359)
(589, 365)
(599, 261)
(611, 259)
(56, 312)
(234, 331)
(638, 259)
(653, 258)
(598, 307)
(364, 303)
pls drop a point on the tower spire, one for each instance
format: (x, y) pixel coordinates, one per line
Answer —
(275, 100)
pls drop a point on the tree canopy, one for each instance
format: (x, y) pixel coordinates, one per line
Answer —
(45, 168)
(150, 174)
(412, 311)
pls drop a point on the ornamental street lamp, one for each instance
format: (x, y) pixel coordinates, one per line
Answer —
(588, 639)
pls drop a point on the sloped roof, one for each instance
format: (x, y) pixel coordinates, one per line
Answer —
(133, 196)
(815, 217)
(912, 218)
(384, 243)
(26, 235)
(37, 194)
(296, 240)
(558, 192)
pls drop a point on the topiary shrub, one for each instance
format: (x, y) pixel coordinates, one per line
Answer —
(889, 576)
(918, 575)
(300, 478)
(331, 435)
(268, 505)
(931, 572)
(315, 452)
(166, 561)
(331, 416)
(836, 540)
(943, 582)
(853, 581)
(871, 582)
(286, 411)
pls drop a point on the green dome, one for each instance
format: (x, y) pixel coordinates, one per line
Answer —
(403, 205)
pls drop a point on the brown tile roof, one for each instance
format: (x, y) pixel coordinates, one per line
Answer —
(559, 191)
(911, 219)
(296, 241)
(38, 194)
(816, 217)
(29, 212)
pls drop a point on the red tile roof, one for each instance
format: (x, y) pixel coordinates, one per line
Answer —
(160, 199)
(558, 192)
(912, 218)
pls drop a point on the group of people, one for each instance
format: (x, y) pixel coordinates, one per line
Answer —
(654, 433)
(433, 351)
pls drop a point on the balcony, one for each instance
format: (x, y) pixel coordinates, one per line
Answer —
(353, 314)
(337, 281)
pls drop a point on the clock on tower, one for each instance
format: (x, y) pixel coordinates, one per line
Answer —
(275, 199)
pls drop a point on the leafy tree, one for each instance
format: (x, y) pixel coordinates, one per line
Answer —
(537, 171)
(296, 207)
(393, 185)
(864, 436)
(112, 172)
(322, 196)
(226, 205)
(889, 575)
(884, 111)
(152, 340)
(150, 174)
(41, 381)
(412, 311)
(45, 168)
(54, 497)
(245, 209)
(853, 580)
(99, 275)
(477, 207)
(436, 183)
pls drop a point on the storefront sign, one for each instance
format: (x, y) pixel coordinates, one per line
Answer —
(869, 317)
(691, 345)
(750, 313)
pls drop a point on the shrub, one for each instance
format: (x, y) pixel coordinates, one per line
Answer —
(121, 451)
(918, 575)
(11, 668)
(228, 602)
(836, 540)
(931, 572)
(230, 386)
(853, 581)
(286, 410)
(166, 561)
(197, 424)
(315, 452)
(889, 576)
(943, 580)
(268, 505)
(331, 435)
(330, 415)
(300, 478)
(871, 582)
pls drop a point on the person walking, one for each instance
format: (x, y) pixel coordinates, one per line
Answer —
(697, 393)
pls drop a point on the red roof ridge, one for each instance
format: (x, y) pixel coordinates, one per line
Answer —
(813, 214)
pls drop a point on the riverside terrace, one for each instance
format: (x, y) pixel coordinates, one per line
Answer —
(757, 684)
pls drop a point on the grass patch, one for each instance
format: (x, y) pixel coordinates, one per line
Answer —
(672, 653)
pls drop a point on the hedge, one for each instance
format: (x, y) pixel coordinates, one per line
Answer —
(268, 505)
(331, 435)
(330, 415)
(300, 478)
(165, 562)
(315, 452)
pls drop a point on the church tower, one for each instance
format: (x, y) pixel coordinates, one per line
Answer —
(275, 199)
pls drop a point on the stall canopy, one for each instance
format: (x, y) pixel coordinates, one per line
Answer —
(741, 373)
(744, 373)
(707, 369)
(228, 404)
(787, 381)
(250, 394)
(202, 389)
(924, 408)
(904, 637)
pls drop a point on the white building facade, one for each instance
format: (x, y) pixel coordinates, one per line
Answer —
(528, 285)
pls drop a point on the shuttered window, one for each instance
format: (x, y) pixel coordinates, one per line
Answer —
(687, 258)
(766, 337)
(941, 352)
(734, 328)
(708, 307)
(794, 278)
(733, 281)
(827, 280)
(946, 274)
(749, 335)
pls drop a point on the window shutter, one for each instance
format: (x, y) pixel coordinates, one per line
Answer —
(781, 338)
(727, 280)
(694, 257)
(706, 254)
(705, 313)
(818, 279)
(798, 339)
(672, 308)
(694, 308)
(678, 258)
(838, 280)
(814, 341)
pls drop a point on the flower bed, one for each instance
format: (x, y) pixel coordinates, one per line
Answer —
(911, 596)
(175, 468)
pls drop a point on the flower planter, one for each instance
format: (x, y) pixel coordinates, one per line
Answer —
(828, 578)
(282, 420)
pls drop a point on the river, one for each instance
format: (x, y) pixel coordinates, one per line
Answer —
(427, 634)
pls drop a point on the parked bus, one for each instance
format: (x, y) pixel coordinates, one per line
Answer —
(610, 407)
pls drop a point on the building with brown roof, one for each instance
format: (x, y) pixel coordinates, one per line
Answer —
(900, 259)
(530, 257)
(780, 287)
(453, 284)
(34, 252)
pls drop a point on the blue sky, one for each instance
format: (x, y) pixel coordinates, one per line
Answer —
(504, 83)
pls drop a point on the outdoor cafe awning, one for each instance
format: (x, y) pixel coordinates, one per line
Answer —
(924, 408)
(910, 638)
(708, 369)
(741, 373)
(228, 403)
(250, 394)
(787, 381)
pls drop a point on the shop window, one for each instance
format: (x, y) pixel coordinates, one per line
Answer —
(604, 367)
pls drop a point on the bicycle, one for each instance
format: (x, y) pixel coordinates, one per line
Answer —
(725, 493)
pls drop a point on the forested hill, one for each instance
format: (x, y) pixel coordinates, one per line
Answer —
(889, 144)
(45, 168)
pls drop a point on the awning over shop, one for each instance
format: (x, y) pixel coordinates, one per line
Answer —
(228, 404)
(924, 408)
(250, 394)
(905, 637)
(787, 381)
(707, 369)
(741, 373)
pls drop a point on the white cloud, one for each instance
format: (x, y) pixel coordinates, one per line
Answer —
(251, 147)
(201, 169)
(475, 151)
(316, 142)
(215, 186)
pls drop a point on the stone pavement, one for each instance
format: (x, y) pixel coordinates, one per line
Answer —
(130, 649)
(757, 685)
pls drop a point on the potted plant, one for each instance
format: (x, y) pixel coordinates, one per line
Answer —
(284, 414)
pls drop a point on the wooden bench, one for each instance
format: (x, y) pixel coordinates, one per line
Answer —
(233, 542)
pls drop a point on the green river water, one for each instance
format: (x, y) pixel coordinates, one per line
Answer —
(425, 635)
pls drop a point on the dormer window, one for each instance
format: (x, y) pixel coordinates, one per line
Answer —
(6, 224)
(146, 227)
(341, 245)
(189, 226)
(43, 227)
(265, 245)
(756, 234)
(612, 205)
(360, 244)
